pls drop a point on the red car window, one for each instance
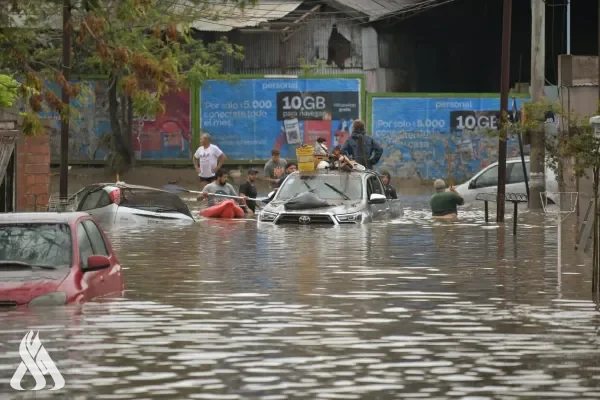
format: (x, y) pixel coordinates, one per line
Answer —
(98, 244)
(85, 245)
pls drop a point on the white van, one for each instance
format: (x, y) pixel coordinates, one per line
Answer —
(486, 180)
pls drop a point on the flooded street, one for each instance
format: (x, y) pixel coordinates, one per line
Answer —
(404, 309)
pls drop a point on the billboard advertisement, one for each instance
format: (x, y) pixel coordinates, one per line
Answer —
(430, 138)
(165, 136)
(89, 122)
(250, 117)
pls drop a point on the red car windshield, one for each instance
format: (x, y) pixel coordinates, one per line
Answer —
(36, 244)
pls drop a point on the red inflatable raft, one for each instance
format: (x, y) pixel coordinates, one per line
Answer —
(225, 209)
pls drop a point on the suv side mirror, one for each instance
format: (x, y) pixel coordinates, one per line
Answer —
(472, 184)
(96, 263)
(377, 198)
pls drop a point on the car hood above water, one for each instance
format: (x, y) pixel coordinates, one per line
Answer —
(22, 286)
(345, 207)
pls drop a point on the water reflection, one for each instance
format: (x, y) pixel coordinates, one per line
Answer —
(411, 308)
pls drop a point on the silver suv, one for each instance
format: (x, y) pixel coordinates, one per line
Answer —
(333, 198)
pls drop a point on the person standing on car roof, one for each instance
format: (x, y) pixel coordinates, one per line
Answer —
(390, 191)
(248, 189)
(208, 159)
(320, 148)
(361, 147)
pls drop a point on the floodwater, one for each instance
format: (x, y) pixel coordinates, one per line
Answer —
(406, 309)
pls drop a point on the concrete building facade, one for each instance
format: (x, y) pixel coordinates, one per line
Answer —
(578, 93)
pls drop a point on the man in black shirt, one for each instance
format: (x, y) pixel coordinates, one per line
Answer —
(248, 189)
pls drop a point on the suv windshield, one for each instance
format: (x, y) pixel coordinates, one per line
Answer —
(36, 244)
(153, 200)
(327, 187)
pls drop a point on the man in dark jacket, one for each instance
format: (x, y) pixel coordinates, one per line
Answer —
(390, 191)
(361, 147)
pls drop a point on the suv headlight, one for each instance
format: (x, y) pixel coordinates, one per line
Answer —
(50, 299)
(267, 216)
(349, 218)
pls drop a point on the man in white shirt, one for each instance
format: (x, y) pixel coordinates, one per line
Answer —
(208, 159)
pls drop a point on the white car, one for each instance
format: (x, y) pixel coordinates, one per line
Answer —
(486, 181)
(122, 203)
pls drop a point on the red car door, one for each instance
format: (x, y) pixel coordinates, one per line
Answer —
(111, 278)
(95, 283)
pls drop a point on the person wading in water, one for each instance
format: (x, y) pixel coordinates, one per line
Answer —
(219, 186)
(390, 191)
(248, 189)
(444, 203)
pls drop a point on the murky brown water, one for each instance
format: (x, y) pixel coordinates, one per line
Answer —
(406, 309)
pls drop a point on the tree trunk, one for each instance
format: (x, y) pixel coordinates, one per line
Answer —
(595, 249)
(121, 146)
(129, 120)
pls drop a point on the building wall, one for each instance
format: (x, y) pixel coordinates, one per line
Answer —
(33, 173)
(578, 84)
(264, 53)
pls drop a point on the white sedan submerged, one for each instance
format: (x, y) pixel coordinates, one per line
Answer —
(122, 203)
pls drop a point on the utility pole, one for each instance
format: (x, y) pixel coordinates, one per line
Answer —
(538, 139)
(66, 100)
(504, 89)
(569, 26)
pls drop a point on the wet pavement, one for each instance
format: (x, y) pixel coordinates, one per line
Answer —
(404, 309)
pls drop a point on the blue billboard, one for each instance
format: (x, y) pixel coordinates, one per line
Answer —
(430, 138)
(250, 117)
(165, 136)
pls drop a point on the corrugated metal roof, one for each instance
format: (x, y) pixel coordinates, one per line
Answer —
(376, 9)
(226, 17)
(219, 17)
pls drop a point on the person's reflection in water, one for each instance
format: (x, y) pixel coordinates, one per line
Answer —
(445, 237)
(501, 265)
(309, 247)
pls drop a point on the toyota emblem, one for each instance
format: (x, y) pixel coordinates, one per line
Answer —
(305, 219)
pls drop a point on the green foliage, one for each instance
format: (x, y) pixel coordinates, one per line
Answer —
(308, 69)
(573, 145)
(8, 90)
(31, 124)
(146, 46)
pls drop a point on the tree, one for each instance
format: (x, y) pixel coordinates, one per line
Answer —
(145, 47)
(8, 90)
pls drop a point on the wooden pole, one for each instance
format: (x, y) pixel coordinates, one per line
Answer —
(538, 142)
(504, 89)
(64, 116)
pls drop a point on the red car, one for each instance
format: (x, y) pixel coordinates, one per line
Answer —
(51, 259)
